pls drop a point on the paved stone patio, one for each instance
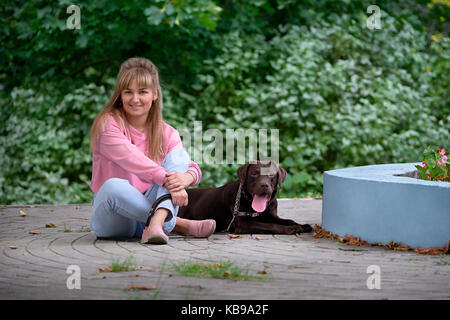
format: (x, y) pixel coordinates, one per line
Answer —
(34, 266)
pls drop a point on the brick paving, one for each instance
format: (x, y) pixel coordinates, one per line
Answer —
(34, 262)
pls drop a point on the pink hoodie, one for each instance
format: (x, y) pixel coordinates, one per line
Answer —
(118, 154)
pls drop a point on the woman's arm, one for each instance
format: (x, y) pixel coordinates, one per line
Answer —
(193, 170)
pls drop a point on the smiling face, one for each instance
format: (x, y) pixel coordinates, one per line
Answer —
(137, 101)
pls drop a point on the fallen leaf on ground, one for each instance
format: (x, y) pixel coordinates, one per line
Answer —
(135, 287)
(262, 272)
(397, 246)
(403, 247)
(356, 241)
(12, 247)
(109, 269)
(321, 233)
(257, 238)
(50, 225)
(434, 251)
(22, 213)
(353, 241)
(34, 232)
(233, 236)
(431, 251)
(228, 272)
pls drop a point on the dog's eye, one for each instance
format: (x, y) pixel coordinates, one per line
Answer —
(255, 173)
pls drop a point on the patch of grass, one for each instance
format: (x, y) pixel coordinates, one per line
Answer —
(127, 264)
(65, 229)
(84, 229)
(443, 262)
(220, 270)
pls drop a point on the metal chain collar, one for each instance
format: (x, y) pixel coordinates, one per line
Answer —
(236, 206)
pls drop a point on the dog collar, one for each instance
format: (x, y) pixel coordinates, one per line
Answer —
(238, 213)
(248, 214)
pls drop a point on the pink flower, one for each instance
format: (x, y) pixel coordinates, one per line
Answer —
(441, 152)
(442, 162)
(424, 164)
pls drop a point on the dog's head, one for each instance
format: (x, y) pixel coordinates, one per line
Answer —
(260, 180)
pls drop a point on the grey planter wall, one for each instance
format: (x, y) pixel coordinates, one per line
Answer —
(371, 203)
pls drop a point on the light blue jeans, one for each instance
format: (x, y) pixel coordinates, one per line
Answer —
(121, 211)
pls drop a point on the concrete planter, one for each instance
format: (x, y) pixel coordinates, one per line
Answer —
(372, 203)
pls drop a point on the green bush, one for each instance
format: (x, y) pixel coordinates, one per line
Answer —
(45, 151)
(340, 94)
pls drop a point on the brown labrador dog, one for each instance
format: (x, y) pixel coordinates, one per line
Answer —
(251, 210)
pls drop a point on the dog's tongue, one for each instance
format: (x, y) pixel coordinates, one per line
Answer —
(259, 203)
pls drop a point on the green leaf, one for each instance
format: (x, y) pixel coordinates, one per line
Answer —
(154, 15)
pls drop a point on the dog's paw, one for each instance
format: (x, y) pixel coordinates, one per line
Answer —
(306, 228)
(297, 229)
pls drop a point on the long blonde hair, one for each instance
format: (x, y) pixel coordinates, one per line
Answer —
(146, 75)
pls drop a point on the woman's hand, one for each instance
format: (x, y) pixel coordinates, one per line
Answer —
(179, 198)
(177, 181)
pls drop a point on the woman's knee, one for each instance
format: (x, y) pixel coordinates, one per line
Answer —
(114, 182)
(119, 192)
(176, 161)
(114, 186)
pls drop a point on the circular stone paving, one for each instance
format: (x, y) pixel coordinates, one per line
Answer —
(379, 206)
(43, 253)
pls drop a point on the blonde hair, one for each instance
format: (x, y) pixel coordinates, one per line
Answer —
(146, 75)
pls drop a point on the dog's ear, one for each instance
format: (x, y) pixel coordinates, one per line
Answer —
(281, 175)
(242, 173)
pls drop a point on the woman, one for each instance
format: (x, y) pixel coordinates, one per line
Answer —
(137, 158)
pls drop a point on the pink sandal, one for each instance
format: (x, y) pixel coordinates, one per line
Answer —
(202, 228)
(154, 235)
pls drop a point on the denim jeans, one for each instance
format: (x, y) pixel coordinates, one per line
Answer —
(121, 211)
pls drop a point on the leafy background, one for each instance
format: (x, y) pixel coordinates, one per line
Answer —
(340, 94)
